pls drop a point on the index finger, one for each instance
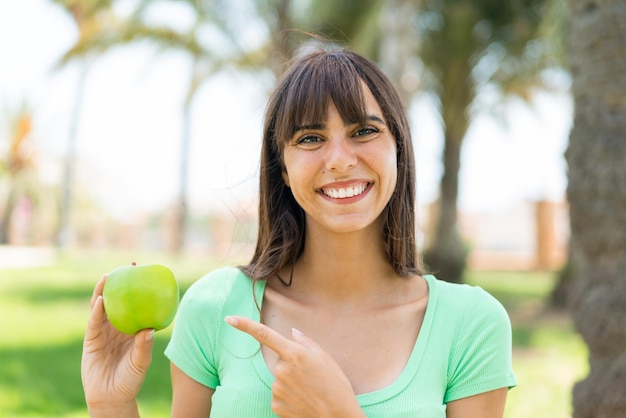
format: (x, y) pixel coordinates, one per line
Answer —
(262, 333)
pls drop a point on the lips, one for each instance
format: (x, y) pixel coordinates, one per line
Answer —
(345, 192)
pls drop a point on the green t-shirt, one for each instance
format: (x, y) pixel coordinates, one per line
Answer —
(463, 349)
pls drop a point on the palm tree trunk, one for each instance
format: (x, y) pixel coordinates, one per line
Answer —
(182, 206)
(597, 196)
(64, 228)
(446, 255)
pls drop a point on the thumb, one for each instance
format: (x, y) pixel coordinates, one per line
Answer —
(142, 350)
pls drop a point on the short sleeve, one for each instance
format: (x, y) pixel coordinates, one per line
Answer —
(481, 356)
(198, 321)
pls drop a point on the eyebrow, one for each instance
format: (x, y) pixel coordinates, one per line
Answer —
(318, 126)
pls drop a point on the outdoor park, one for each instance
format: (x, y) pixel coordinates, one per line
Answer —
(44, 312)
(131, 130)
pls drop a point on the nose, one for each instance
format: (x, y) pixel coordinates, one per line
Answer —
(340, 155)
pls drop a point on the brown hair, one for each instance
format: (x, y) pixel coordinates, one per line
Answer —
(302, 96)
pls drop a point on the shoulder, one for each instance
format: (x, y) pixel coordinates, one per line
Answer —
(202, 306)
(479, 336)
(463, 300)
(199, 321)
(212, 291)
(469, 316)
(217, 284)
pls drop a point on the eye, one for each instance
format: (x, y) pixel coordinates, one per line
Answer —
(365, 131)
(308, 140)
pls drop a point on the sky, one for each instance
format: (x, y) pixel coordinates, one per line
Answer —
(130, 125)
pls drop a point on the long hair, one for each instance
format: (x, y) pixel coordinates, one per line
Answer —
(302, 95)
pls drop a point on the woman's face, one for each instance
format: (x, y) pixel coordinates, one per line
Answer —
(342, 173)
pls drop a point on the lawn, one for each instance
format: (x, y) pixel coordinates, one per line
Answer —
(43, 312)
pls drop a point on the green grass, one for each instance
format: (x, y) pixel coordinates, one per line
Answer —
(43, 313)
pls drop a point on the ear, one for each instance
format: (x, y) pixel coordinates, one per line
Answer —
(285, 177)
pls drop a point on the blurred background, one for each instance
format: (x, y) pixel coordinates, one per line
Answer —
(138, 124)
(131, 129)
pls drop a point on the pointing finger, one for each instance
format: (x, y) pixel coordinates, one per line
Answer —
(262, 333)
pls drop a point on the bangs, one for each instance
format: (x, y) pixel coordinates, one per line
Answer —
(320, 80)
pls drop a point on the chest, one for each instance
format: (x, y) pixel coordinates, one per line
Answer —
(372, 347)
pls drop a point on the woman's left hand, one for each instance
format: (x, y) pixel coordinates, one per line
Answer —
(308, 382)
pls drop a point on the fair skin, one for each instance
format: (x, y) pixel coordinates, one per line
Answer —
(347, 325)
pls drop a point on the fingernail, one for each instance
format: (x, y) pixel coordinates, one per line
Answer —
(150, 335)
(231, 320)
(295, 332)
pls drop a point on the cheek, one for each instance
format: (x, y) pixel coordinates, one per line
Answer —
(394, 176)
(297, 173)
(288, 167)
(387, 164)
(389, 172)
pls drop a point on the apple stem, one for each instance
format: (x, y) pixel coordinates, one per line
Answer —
(133, 263)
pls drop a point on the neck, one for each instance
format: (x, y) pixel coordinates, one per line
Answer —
(343, 267)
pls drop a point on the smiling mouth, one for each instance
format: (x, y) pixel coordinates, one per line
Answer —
(344, 193)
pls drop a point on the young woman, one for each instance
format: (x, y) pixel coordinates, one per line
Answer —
(333, 316)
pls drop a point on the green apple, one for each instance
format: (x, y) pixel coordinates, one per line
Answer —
(140, 297)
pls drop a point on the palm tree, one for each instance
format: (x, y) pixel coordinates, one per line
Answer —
(89, 16)
(597, 197)
(209, 42)
(466, 46)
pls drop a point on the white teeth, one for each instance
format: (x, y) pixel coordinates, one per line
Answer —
(344, 193)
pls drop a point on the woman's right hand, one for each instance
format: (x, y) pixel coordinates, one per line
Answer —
(114, 365)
